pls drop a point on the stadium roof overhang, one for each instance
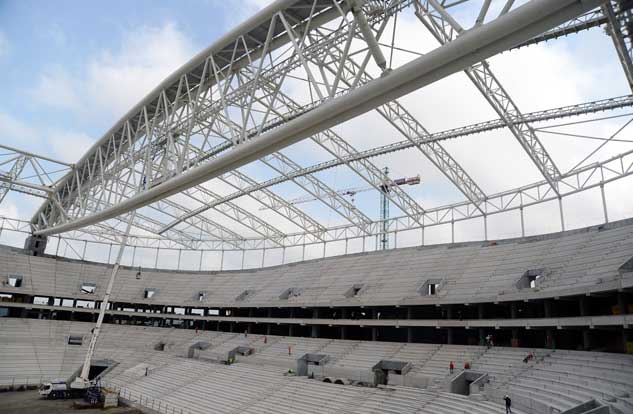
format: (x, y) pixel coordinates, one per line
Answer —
(290, 73)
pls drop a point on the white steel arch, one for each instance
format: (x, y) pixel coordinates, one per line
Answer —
(232, 105)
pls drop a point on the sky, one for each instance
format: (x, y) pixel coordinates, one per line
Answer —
(70, 69)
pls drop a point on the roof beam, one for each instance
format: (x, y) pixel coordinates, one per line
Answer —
(446, 30)
(586, 21)
(538, 116)
(619, 28)
(474, 46)
(351, 74)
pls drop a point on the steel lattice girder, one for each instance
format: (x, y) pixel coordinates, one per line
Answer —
(340, 149)
(586, 21)
(341, 204)
(354, 74)
(539, 116)
(585, 178)
(28, 173)
(106, 233)
(446, 29)
(500, 34)
(619, 27)
(184, 88)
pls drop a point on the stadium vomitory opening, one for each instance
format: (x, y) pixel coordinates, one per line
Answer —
(317, 206)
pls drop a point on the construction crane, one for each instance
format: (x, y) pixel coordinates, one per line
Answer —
(384, 188)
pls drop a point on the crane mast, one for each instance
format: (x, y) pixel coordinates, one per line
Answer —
(384, 212)
(83, 381)
(382, 238)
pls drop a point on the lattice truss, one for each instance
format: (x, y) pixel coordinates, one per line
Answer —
(191, 156)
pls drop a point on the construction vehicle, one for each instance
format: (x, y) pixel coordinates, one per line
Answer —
(58, 389)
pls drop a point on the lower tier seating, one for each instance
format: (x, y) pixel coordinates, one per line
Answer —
(34, 351)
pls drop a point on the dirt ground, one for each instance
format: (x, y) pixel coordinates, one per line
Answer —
(30, 402)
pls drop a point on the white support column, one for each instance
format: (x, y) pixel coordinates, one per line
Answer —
(179, 254)
(243, 258)
(604, 204)
(133, 255)
(59, 241)
(562, 217)
(283, 255)
(486, 227)
(200, 263)
(83, 253)
(222, 261)
(522, 222)
(156, 258)
(263, 257)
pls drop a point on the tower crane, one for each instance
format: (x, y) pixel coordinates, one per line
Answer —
(384, 188)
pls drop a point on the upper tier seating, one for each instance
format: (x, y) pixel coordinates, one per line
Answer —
(477, 271)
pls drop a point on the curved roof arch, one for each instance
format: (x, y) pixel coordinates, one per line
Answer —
(294, 72)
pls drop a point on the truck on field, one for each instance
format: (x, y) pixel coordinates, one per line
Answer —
(58, 388)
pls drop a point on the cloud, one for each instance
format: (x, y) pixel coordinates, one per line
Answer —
(57, 35)
(55, 88)
(117, 80)
(114, 80)
(68, 146)
(236, 15)
(4, 45)
(15, 132)
(9, 209)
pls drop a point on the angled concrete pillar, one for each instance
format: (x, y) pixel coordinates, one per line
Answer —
(584, 306)
(548, 308)
(515, 337)
(550, 341)
(627, 336)
(586, 339)
(622, 303)
(315, 328)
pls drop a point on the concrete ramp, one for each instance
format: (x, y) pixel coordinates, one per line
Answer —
(240, 350)
(310, 359)
(589, 407)
(468, 382)
(385, 367)
(194, 349)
